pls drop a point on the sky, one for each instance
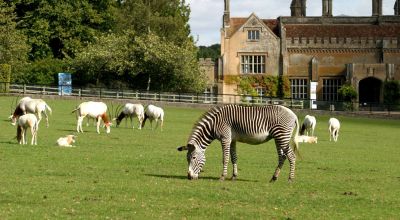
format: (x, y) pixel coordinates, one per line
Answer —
(206, 15)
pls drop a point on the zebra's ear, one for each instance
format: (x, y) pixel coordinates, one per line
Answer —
(187, 147)
(182, 148)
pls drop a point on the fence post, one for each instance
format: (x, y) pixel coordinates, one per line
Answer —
(80, 92)
(24, 89)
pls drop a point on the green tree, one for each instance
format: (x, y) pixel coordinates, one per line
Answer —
(135, 60)
(13, 49)
(60, 29)
(165, 18)
(213, 52)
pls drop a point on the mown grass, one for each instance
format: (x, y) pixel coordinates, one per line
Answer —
(138, 174)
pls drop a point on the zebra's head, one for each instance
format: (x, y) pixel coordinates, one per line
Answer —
(196, 160)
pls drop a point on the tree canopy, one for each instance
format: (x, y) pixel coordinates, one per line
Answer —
(102, 42)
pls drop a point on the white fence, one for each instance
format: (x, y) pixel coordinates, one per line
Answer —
(205, 98)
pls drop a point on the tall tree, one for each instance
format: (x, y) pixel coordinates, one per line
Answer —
(165, 18)
(13, 49)
(60, 29)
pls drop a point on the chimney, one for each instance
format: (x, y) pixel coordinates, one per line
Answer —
(396, 8)
(376, 7)
(226, 18)
(298, 8)
(327, 8)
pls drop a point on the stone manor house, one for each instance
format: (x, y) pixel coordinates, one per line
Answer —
(318, 54)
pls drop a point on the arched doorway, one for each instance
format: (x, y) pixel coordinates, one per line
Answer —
(369, 90)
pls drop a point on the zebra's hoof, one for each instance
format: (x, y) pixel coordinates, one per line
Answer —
(290, 180)
(273, 179)
(234, 177)
(222, 178)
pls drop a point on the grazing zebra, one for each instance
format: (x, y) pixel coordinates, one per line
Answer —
(252, 125)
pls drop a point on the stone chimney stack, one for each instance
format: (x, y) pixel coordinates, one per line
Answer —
(397, 8)
(327, 8)
(226, 18)
(298, 8)
(376, 7)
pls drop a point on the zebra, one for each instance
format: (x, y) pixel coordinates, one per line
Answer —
(247, 124)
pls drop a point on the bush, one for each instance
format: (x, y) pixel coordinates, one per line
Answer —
(347, 93)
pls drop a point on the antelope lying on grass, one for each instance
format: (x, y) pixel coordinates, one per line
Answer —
(24, 122)
(29, 105)
(130, 110)
(66, 141)
(97, 110)
(307, 139)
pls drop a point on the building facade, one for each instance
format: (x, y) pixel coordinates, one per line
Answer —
(318, 54)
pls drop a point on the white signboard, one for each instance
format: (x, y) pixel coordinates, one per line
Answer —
(313, 94)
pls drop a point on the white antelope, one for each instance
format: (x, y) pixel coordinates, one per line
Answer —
(24, 122)
(34, 106)
(66, 141)
(334, 126)
(308, 125)
(307, 139)
(130, 110)
(97, 110)
(153, 113)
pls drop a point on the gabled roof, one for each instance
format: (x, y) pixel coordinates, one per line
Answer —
(342, 31)
(237, 23)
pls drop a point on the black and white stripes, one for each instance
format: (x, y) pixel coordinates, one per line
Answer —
(252, 125)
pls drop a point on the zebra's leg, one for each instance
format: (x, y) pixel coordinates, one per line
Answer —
(281, 161)
(292, 162)
(234, 160)
(225, 158)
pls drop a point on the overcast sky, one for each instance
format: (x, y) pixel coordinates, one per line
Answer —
(206, 15)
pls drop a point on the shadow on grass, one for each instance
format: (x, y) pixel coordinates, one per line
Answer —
(201, 177)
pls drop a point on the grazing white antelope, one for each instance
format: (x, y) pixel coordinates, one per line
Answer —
(34, 106)
(153, 112)
(66, 141)
(334, 126)
(24, 122)
(130, 110)
(97, 110)
(308, 125)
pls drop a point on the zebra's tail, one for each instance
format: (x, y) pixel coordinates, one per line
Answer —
(296, 139)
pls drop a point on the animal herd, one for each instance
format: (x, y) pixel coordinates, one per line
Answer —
(228, 124)
(29, 112)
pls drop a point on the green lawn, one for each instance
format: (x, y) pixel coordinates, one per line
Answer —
(138, 174)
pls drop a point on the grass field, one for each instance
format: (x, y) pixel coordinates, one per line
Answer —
(138, 174)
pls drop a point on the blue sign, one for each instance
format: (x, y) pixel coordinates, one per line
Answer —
(64, 84)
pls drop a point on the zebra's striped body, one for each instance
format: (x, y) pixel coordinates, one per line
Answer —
(252, 125)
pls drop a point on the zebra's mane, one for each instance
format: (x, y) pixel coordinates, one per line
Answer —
(212, 111)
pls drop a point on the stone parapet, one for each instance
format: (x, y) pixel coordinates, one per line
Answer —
(342, 43)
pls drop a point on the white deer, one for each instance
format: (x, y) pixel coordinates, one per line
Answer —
(130, 110)
(334, 126)
(97, 110)
(34, 106)
(24, 122)
(153, 112)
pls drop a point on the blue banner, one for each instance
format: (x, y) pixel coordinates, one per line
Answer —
(64, 84)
